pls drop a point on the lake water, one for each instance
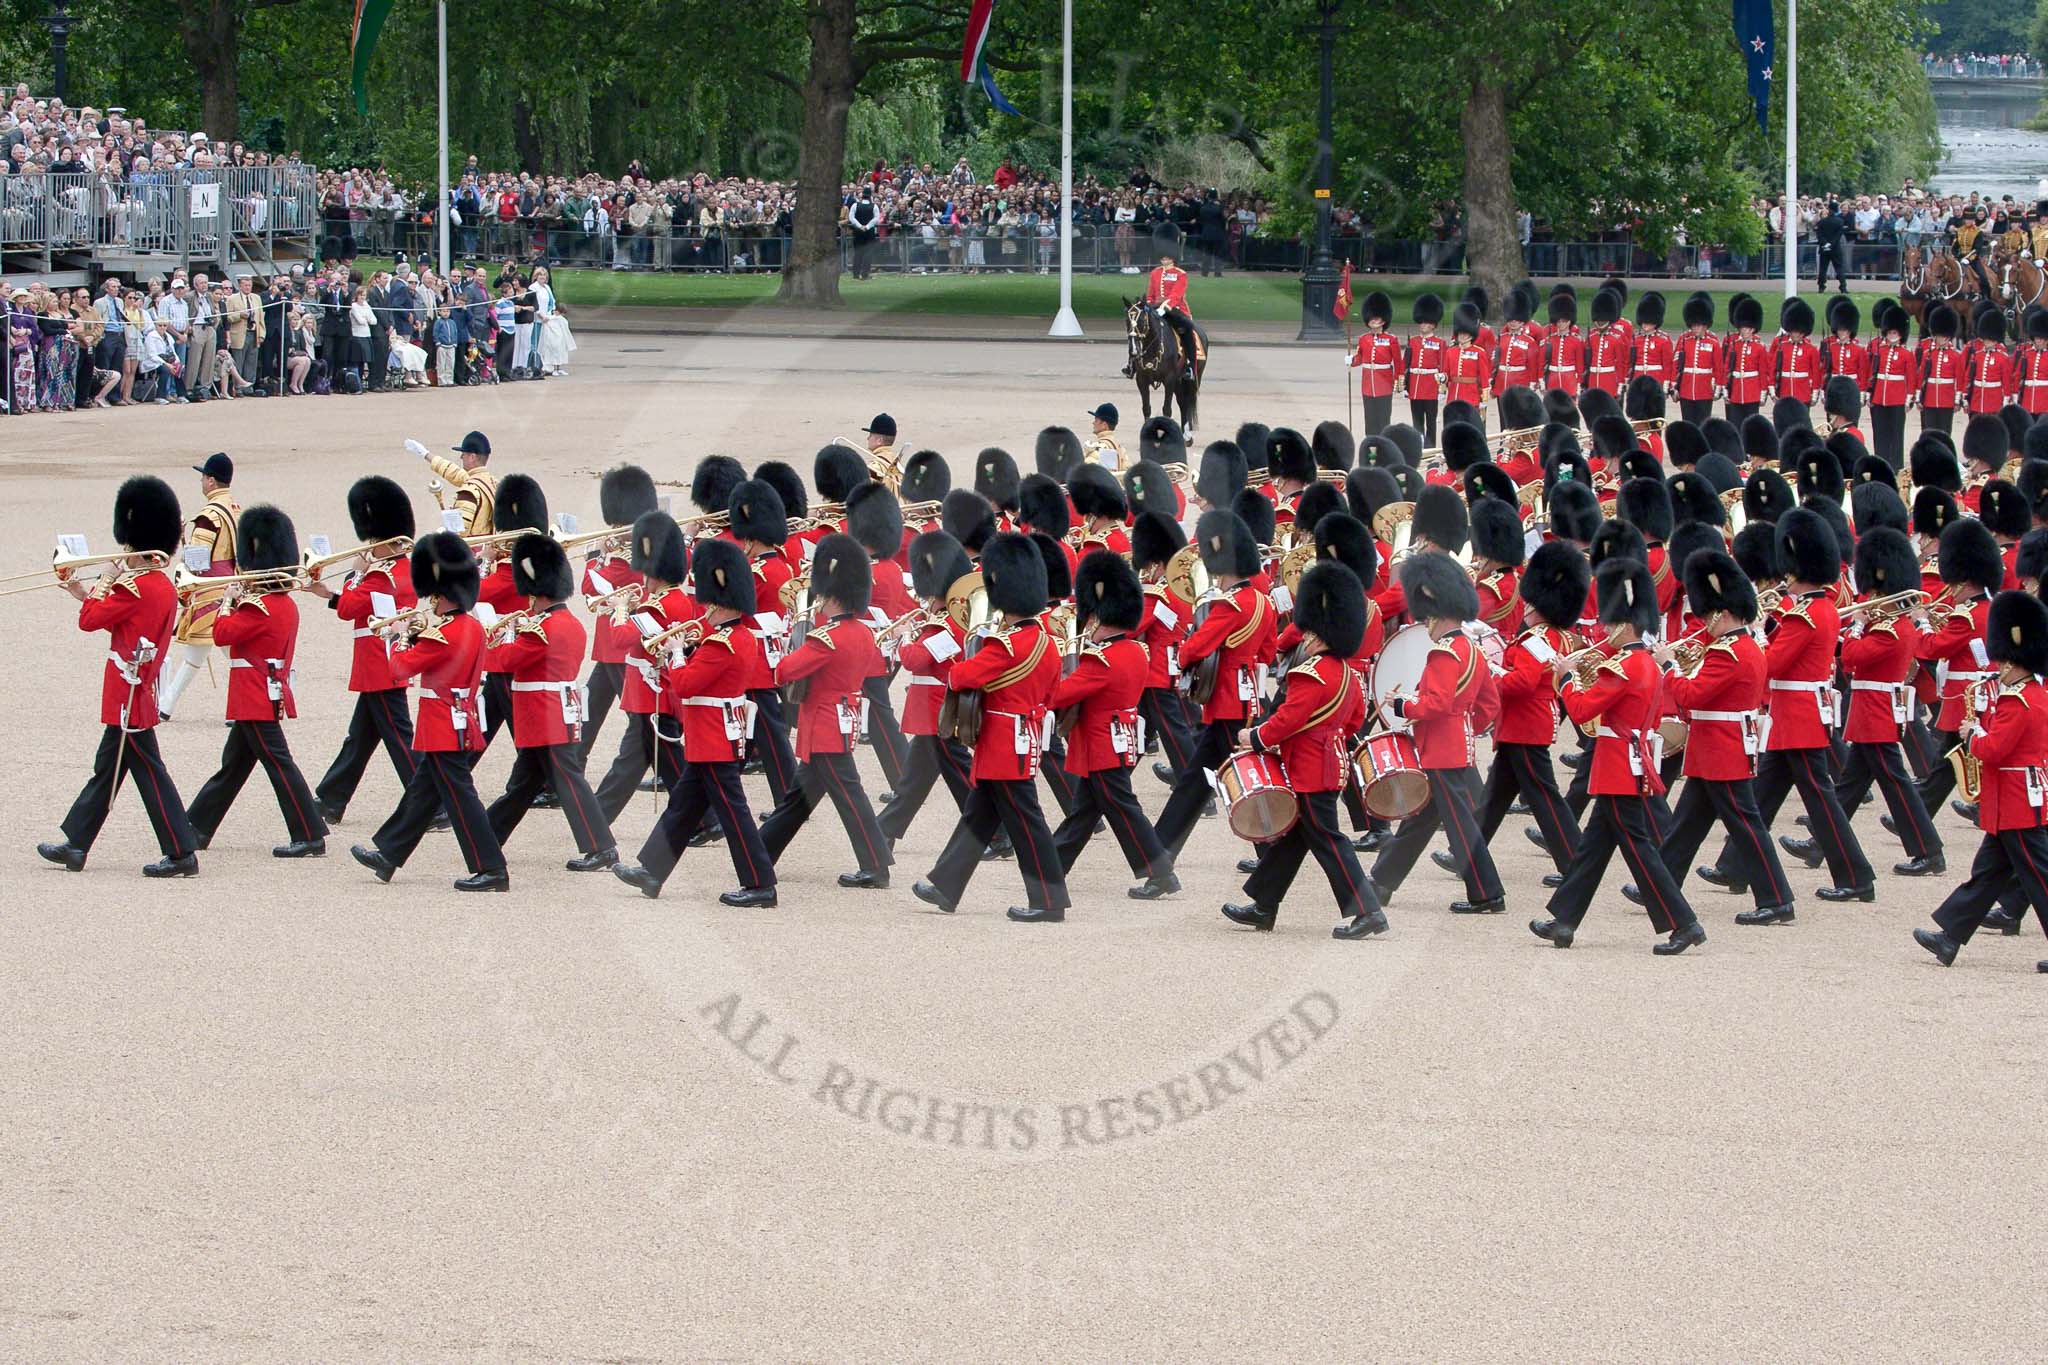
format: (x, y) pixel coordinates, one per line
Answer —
(1984, 148)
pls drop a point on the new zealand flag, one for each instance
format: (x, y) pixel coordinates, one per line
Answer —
(1755, 36)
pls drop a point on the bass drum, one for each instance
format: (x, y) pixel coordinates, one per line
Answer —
(1256, 799)
(1399, 669)
(1390, 776)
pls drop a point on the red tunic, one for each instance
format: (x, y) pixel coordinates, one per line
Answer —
(609, 641)
(1702, 366)
(2030, 371)
(1956, 654)
(1798, 363)
(1378, 361)
(1106, 682)
(1607, 359)
(1519, 361)
(1894, 375)
(1992, 382)
(1564, 363)
(1625, 699)
(370, 662)
(770, 629)
(1657, 356)
(1240, 627)
(1800, 660)
(708, 692)
(1016, 669)
(1467, 372)
(1748, 369)
(1723, 705)
(133, 611)
(1528, 701)
(1325, 703)
(1876, 660)
(1941, 377)
(643, 678)
(1850, 359)
(928, 660)
(837, 657)
(542, 656)
(1166, 623)
(450, 718)
(1168, 286)
(1454, 701)
(2013, 749)
(260, 636)
(1425, 362)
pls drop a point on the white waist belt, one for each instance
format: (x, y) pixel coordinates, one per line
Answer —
(543, 686)
(1859, 685)
(1784, 685)
(1731, 717)
(920, 680)
(711, 701)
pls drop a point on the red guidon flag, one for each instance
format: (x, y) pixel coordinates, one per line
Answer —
(1344, 294)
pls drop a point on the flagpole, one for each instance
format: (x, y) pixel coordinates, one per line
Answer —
(1064, 323)
(441, 217)
(1791, 148)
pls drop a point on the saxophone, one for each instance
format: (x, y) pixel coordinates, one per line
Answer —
(1969, 768)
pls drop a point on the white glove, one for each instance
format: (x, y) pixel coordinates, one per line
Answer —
(413, 447)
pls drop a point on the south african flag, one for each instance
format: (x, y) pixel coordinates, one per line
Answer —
(370, 16)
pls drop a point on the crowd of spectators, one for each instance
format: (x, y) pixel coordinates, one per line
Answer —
(1985, 66)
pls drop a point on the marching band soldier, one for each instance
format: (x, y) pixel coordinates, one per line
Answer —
(1954, 645)
(1324, 703)
(937, 562)
(837, 472)
(2007, 740)
(1043, 510)
(475, 497)
(1016, 668)
(1455, 700)
(520, 506)
(1800, 663)
(1100, 503)
(1102, 447)
(661, 556)
(1842, 406)
(1106, 735)
(213, 530)
(710, 691)
(1293, 467)
(1498, 549)
(1238, 629)
(379, 510)
(540, 658)
(447, 655)
(1425, 365)
(1894, 382)
(760, 524)
(1378, 360)
(1553, 588)
(1722, 701)
(996, 479)
(1155, 539)
(875, 519)
(1058, 452)
(1148, 488)
(1984, 442)
(260, 634)
(789, 487)
(1941, 371)
(137, 609)
(1702, 364)
(2007, 516)
(624, 495)
(1468, 369)
(836, 658)
(1622, 694)
(1748, 364)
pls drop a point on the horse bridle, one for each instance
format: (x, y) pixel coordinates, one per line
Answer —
(1148, 353)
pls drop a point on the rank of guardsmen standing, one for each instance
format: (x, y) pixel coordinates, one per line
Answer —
(1310, 635)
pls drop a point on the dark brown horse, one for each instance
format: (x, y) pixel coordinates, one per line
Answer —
(1927, 278)
(1157, 359)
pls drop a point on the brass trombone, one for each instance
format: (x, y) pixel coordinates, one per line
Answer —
(610, 540)
(710, 524)
(190, 585)
(63, 568)
(1889, 607)
(386, 551)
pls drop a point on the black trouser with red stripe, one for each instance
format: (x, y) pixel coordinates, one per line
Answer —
(2003, 859)
(1524, 770)
(884, 732)
(153, 784)
(1941, 772)
(1695, 410)
(931, 758)
(770, 741)
(649, 742)
(1579, 792)
(1883, 764)
(1918, 743)
(1107, 793)
(497, 704)
(1450, 805)
(605, 684)
(1703, 801)
(442, 781)
(556, 767)
(1777, 773)
(1191, 790)
(836, 777)
(714, 788)
(1942, 420)
(1012, 806)
(251, 742)
(1166, 712)
(1888, 433)
(1052, 766)
(1375, 414)
(1422, 416)
(1622, 822)
(1315, 832)
(378, 717)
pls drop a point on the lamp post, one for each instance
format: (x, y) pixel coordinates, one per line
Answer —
(1319, 281)
(59, 22)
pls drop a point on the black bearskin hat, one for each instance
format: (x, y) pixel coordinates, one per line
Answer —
(1871, 469)
(1427, 308)
(721, 577)
(1042, 506)
(1715, 582)
(1329, 603)
(540, 567)
(1684, 442)
(1759, 438)
(1627, 595)
(1488, 480)
(1942, 321)
(2017, 422)
(1693, 499)
(1317, 501)
(1724, 436)
(1521, 407)
(1991, 327)
(1226, 544)
(624, 493)
(1096, 493)
(1437, 586)
(966, 516)
(1574, 512)
(1561, 408)
(1796, 316)
(1986, 441)
(2017, 631)
(1789, 415)
(1564, 310)
(1849, 451)
(1162, 439)
(1650, 310)
(1379, 452)
(1107, 590)
(1442, 519)
(1567, 466)
(1251, 443)
(1876, 505)
(1719, 471)
(379, 509)
(2032, 559)
(926, 477)
(2036, 322)
(1820, 475)
(1617, 540)
(937, 561)
(1288, 456)
(1646, 505)
(756, 512)
(2000, 507)
(1475, 298)
(521, 506)
(1688, 540)
(1606, 307)
(1794, 443)
(1148, 488)
(996, 478)
(1639, 464)
(1497, 532)
(1257, 512)
(788, 486)
(1464, 445)
(1368, 490)
(1058, 453)
(1767, 496)
(1933, 465)
(1346, 539)
(1155, 538)
(1643, 398)
(1458, 410)
(1059, 570)
(1843, 315)
(1745, 312)
(1756, 550)
(265, 539)
(1334, 446)
(1698, 311)
(1223, 471)
(1520, 306)
(875, 519)
(1612, 435)
(1969, 555)
(1842, 398)
(1410, 481)
(1808, 549)
(1934, 510)
(712, 484)
(1838, 522)
(659, 549)
(2033, 480)
(1464, 321)
(1013, 571)
(1556, 582)
(1885, 562)
(443, 566)
(842, 571)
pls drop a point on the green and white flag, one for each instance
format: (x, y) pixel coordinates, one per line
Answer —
(370, 16)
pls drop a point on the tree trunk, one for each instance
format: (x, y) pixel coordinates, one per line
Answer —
(1493, 249)
(525, 141)
(212, 30)
(811, 275)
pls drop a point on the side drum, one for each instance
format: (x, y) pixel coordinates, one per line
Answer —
(1257, 801)
(1390, 775)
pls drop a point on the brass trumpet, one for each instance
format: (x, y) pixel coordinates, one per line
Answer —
(418, 620)
(1518, 440)
(710, 524)
(620, 602)
(684, 634)
(921, 511)
(610, 540)
(63, 568)
(388, 550)
(1890, 607)
(503, 629)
